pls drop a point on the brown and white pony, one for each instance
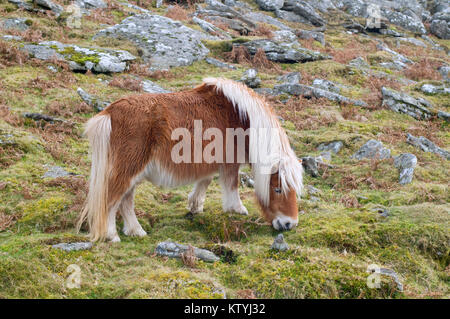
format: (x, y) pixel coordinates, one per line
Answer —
(132, 141)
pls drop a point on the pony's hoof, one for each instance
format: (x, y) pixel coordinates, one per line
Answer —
(137, 232)
(115, 239)
(241, 211)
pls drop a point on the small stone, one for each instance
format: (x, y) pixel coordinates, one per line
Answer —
(73, 246)
(56, 171)
(405, 163)
(334, 146)
(251, 79)
(310, 165)
(175, 250)
(279, 243)
(220, 64)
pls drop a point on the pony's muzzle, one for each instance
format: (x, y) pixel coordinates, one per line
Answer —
(284, 223)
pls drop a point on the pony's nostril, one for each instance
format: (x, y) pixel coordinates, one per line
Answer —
(287, 225)
(279, 225)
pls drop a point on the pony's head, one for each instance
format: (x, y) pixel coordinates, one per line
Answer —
(281, 210)
(279, 196)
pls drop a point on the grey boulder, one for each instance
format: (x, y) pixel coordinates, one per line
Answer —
(426, 145)
(163, 42)
(373, 149)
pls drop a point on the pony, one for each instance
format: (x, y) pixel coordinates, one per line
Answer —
(137, 138)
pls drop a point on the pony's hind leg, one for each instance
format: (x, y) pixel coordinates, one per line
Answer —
(131, 226)
(112, 234)
(196, 198)
(229, 181)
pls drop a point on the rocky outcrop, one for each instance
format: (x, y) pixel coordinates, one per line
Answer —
(311, 91)
(284, 53)
(400, 102)
(163, 42)
(304, 10)
(81, 59)
(15, 24)
(270, 5)
(426, 145)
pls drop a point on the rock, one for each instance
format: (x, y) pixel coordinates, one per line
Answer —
(290, 78)
(403, 103)
(264, 18)
(220, 64)
(426, 145)
(305, 34)
(432, 89)
(312, 190)
(163, 42)
(251, 79)
(56, 171)
(441, 29)
(25, 5)
(175, 250)
(326, 85)
(73, 246)
(310, 165)
(15, 23)
(150, 87)
(159, 3)
(414, 41)
(310, 91)
(444, 115)
(334, 146)
(270, 5)
(91, 4)
(284, 53)
(279, 243)
(47, 4)
(93, 101)
(397, 56)
(212, 29)
(81, 59)
(290, 16)
(304, 10)
(42, 117)
(12, 38)
(284, 36)
(373, 150)
(395, 65)
(387, 272)
(391, 33)
(405, 163)
(406, 19)
(359, 63)
(246, 180)
(384, 212)
(445, 71)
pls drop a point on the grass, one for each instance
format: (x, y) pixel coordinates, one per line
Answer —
(340, 232)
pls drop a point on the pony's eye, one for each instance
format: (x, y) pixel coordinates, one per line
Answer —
(277, 190)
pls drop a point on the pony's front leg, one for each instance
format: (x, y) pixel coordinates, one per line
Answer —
(131, 226)
(229, 181)
(196, 198)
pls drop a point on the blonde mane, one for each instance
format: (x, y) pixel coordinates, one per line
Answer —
(266, 137)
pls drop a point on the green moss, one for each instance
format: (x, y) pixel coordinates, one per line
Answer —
(79, 57)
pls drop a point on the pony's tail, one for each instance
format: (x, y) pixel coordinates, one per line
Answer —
(95, 211)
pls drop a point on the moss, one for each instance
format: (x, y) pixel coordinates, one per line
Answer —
(79, 57)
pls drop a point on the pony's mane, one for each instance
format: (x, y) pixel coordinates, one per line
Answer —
(252, 107)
